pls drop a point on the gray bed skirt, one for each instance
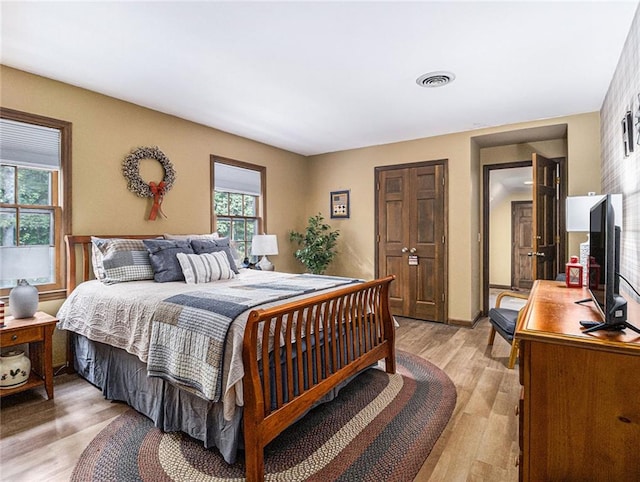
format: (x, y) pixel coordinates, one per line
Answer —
(123, 377)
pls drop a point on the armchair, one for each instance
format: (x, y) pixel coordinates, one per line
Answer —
(504, 321)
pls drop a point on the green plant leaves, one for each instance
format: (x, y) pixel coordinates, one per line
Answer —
(317, 244)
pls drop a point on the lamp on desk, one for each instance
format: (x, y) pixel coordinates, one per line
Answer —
(264, 245)
(578, 216)
(20, 264)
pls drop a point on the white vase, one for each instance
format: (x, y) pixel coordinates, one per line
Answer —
(23, 300)
(15, 368)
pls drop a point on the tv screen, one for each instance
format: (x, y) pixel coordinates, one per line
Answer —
(604, 264)
(597, 263)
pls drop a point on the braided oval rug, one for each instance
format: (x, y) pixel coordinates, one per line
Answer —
(380, 428)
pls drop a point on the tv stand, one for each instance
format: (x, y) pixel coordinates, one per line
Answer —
(592, 326)
(616, 320)
(583, 300)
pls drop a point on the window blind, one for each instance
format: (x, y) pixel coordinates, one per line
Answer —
(236, 179)
(29, 145)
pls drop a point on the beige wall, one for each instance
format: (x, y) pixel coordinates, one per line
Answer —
(105, 130)
(354, 170)
(523, 152)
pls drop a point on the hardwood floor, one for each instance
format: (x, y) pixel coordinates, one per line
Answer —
(41, 440)
(480, 442)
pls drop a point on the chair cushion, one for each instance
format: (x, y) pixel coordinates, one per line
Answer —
(504, 321)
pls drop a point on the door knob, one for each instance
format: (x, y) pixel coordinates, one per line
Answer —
(413, 250)
(535, 254)
(405, 250)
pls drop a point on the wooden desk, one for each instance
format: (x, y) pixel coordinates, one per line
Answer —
(38, 332)
(580, 407)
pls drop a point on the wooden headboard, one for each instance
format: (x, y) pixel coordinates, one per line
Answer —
(78, 246)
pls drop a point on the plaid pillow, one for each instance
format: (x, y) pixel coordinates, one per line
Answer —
(116, 260)
(204, 268)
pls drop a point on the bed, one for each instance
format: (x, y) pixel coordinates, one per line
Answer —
(279, 358)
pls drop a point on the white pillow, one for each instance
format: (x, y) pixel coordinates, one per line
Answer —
(206, 267)
(188, 237)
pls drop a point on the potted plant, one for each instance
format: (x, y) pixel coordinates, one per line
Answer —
(316, 245)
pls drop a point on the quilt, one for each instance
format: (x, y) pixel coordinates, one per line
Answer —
(189, 330)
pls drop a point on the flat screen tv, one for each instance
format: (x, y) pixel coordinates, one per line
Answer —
(603, 268)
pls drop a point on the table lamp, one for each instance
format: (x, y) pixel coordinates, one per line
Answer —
(264, 245)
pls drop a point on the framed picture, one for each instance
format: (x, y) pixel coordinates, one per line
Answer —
(339, 204)
(638, 122)
(627, 133)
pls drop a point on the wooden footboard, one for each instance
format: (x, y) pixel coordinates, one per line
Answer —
(324, 340)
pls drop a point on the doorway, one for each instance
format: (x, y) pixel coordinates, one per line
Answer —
(548, 236)
(411, 237)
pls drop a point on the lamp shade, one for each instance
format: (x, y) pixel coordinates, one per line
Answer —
(264, 245)
(579, 209)
(25, 262)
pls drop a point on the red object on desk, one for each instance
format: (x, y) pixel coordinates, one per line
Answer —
(573, 273)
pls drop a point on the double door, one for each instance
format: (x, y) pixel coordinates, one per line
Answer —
(411, 238)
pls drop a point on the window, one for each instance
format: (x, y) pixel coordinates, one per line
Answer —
(34, 213)
(238, 202)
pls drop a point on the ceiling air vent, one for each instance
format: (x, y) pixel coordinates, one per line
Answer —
(435, 79)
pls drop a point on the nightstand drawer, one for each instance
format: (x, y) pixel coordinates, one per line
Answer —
(24, 335)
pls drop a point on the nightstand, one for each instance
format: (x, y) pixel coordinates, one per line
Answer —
(37, 331)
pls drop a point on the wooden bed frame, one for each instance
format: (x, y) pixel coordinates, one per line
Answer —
(357, 317)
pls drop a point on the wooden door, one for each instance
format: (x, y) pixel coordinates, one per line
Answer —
(411, 238)
(521, 241)
(546, 180)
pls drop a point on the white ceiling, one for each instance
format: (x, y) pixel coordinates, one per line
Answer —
(316, 77)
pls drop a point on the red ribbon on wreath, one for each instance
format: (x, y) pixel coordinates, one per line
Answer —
(158, 191)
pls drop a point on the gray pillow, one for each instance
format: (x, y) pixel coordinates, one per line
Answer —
(165, 264)
(214, 246)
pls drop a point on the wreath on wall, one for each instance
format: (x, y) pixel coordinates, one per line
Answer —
(138, 186)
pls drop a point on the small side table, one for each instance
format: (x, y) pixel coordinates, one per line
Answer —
(38, 332)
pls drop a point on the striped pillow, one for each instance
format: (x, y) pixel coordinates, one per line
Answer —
(204, 268)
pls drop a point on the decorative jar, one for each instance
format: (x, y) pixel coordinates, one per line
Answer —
(15, 368)
(23, 300)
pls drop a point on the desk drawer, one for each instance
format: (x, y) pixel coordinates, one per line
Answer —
(23, 335)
